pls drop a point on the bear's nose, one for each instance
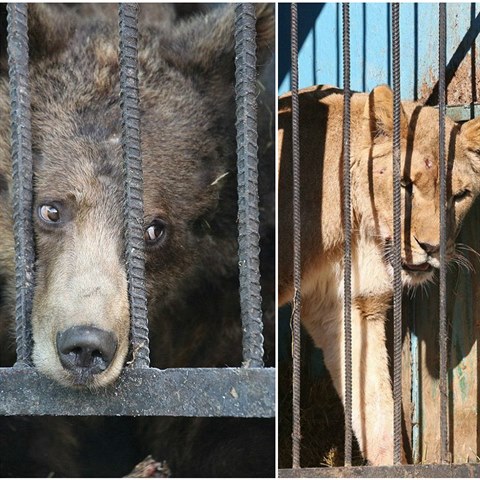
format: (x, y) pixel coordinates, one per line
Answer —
(86, 349)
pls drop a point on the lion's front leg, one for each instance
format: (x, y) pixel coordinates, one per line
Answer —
(372, 399)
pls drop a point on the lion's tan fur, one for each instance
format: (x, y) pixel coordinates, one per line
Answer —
(322, 238)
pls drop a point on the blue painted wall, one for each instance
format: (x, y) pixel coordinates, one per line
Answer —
(320, 38)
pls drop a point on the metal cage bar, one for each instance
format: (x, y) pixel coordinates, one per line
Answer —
(444, 448)
(397, 239)
(347, 208)
(296, 345)
(22, 174)
(248, 214)
(133, 212)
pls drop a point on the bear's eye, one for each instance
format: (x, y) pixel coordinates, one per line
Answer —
(461, 195)
(155, 232)
(49, 213)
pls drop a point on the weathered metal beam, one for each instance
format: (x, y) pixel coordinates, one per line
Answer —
(463, 113)
(465, 470)
(204, 392)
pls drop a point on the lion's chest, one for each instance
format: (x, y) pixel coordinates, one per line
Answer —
(323, 288)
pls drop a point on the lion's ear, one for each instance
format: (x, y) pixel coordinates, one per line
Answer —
(470, 134)
(379, 114)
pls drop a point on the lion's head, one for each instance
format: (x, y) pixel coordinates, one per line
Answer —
(420, 184)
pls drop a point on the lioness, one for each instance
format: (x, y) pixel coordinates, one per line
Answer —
(321, 124)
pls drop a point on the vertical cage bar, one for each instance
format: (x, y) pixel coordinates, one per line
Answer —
(22, 172)
(347, 305)
(296, 434)
(247, 176)
(443, 235)
(134, 235)
(397, 237)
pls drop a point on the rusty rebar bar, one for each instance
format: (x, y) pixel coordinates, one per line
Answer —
(22, 174)
(134, 229)
(296, 433)
(444, 447)
(397, 239)
(247, 177)
(347, 207)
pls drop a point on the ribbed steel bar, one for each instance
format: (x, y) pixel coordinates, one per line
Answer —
(397, 238)
(134, 235)
(247, 176)
(296, 433)
(22, 176)
(347, 202)
(444, 448)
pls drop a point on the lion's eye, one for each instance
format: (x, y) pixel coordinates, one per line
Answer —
(407, 184)
(155, 232)
(461, 195)
(49, 213)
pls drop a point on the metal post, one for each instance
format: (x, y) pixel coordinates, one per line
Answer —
(296, 434)
(347, 307)
(22, 173)
(397, 239)
(444, 447)
(248, 215)
(134, 234)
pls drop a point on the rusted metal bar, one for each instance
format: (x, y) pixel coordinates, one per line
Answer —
(133, 212)
(190, 392)
(347, 207)
(397, 239)
(22, 174)
(466, 470)
(463, 113)
(296, 308)
(444, 448)
(247, 175)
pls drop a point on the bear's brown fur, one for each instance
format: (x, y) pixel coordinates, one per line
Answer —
(188, 145)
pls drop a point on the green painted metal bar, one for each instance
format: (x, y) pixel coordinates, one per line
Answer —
(463, 113)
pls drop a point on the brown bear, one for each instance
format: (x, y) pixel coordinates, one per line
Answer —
(186, 79)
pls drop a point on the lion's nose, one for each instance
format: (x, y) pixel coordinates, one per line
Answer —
(428, 247)
(86, 349)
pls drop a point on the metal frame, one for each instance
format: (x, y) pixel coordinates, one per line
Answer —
(140, 390)
(468, 470)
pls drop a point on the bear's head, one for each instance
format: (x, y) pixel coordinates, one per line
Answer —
(81, 318)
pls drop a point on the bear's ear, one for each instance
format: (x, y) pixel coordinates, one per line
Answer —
(204, 45)
(379, 115)
(470, 135)
(49, 28)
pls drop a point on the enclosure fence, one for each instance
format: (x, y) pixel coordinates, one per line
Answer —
(246, 391)
(446, 468)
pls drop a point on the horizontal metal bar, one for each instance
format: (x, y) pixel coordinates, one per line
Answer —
(465, 470)
(189, 392)
(463, 113)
